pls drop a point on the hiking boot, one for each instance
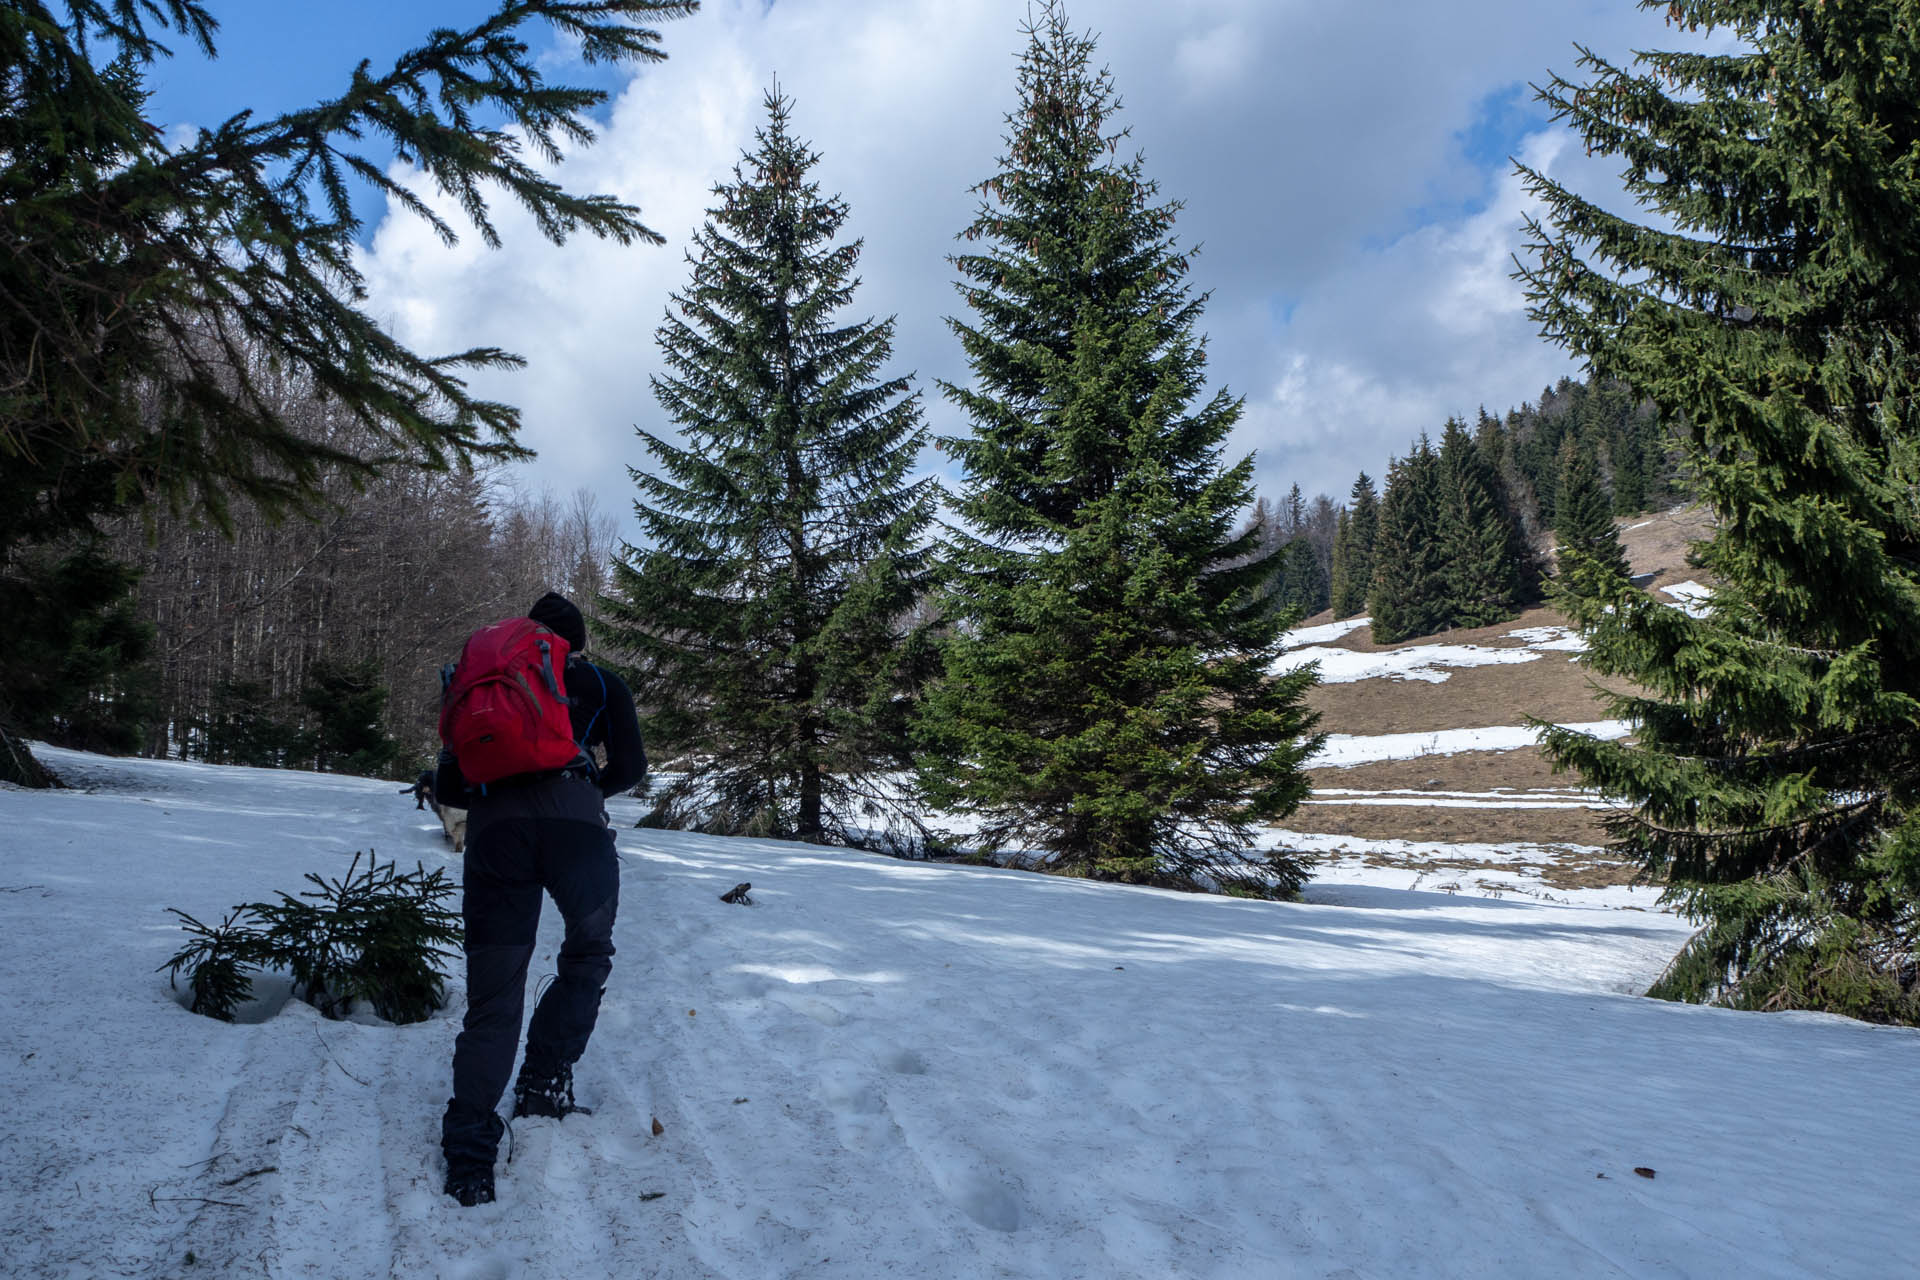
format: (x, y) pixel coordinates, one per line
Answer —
(470, 1186)
(546, 1095)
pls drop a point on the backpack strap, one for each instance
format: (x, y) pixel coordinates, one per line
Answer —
(586, 734)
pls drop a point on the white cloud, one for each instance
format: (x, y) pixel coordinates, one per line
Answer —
(1305, 140)
(1220, 56)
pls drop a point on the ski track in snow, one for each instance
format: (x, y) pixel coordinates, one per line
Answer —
(899, 1068)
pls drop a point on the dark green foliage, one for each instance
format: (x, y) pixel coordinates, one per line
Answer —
(346, 700)
(1408, 596)
(1583, 518)
(1353, 550)
(1606, 418)
(1301, 586)
(1774, 772)
(72, 652)
(148, 287)
(1106, 698)
(769, 619)
(222, 958)
(374, 935)
(243, 728)
(1482, 543)
(1340, 591)
(1451, 548)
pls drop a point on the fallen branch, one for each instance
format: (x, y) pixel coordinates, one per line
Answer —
(335, 1061)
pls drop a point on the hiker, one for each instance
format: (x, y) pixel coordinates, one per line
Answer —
(545, 828)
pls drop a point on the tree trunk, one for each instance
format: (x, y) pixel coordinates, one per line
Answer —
(17, 764)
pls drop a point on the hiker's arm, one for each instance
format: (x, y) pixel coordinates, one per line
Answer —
(449, 784)
(626, 753)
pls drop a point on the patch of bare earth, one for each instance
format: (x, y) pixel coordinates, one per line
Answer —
(1551, 687)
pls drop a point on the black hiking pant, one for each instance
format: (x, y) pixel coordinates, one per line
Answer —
(516, 848)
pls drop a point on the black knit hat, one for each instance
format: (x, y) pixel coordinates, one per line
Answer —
(562, 617)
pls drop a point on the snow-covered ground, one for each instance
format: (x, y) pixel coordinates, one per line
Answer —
(1428, 663)
(1345, 864)
(889, 1068)
(1343, 749)
(1322, 634)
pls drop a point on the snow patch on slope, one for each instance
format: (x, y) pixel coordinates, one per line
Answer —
(1322, 634)
(1346, 749)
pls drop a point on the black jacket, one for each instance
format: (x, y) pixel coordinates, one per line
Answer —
(603, 716)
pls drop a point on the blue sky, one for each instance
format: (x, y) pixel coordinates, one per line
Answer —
(276, 57)
(1343, 167)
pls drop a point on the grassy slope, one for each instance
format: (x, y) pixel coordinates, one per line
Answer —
(1551, 688)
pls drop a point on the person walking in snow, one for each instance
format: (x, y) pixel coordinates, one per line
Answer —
(544, 829)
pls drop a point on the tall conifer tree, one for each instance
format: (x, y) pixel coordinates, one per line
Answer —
(1353, 557)
(1340, 590)
(1583, 518)
(1409, 592)
(1303, 586)
(786, 539)
(1107, 697)
(1774, 769)
(1478, 537)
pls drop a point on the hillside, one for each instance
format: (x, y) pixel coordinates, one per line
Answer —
(892, 1068)
(1432, 811)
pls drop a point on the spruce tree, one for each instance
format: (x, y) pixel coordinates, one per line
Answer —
(1583, 518)
(1353, 558)
(1478, 537)
(1774, 770)
(1107, 698)
(148, 281)
(347, 702)
(767, 617)
(1408, 596)
(1302, 585)
(1293, 515)
(74, 656)
(1340, 590)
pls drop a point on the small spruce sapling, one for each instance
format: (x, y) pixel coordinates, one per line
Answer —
(373, 935)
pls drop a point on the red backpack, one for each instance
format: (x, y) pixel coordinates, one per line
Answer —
(504, 710)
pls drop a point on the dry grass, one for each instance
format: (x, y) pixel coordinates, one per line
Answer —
(1559, 868)
(1550, 687)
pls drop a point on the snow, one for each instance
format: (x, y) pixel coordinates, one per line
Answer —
(1549, 639)
(1433, 800)
(1429, 663)
(1325, 633)
(1344, 749)
(1348, 870)
(1425, 662)
(1690, 598)
(900, 1068)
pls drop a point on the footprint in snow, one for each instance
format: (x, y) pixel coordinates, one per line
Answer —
(905, 1062)
(490, 1267)
(988, 1201)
